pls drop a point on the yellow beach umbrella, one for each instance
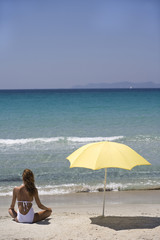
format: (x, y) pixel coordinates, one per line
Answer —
(106, 155)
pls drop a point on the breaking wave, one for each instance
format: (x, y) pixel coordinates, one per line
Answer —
(86, 188)
(57, 139)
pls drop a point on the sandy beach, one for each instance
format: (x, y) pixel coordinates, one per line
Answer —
(128, 215)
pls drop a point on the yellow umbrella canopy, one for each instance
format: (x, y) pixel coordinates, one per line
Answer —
(106, 155)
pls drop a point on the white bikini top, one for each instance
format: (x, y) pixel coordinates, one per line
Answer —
(25, 204)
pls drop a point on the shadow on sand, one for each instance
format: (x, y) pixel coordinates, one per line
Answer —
(126, 223)
(44, 222)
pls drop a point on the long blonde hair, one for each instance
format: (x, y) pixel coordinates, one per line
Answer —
(28, 179)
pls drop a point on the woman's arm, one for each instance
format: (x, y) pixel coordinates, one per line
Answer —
(39, 204)
(13, 199)
(11, 210)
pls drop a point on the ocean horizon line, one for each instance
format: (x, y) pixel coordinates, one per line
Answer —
(78, 89)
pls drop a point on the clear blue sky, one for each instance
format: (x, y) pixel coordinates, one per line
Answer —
(62, 43)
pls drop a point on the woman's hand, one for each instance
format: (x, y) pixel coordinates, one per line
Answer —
(12, 212)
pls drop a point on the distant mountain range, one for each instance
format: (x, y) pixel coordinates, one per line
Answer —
(120, 85)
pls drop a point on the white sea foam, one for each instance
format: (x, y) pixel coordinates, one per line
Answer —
(57, 139)
(73, 188)
(3, 194)
(93, 139)
(29, 140)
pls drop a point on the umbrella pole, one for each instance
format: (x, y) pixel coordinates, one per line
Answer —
(104, 191)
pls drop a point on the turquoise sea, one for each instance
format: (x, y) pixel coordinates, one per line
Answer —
(40, 128)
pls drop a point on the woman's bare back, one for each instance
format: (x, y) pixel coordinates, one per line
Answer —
(23, 196)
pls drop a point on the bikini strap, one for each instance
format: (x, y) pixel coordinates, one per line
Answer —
(25, 204)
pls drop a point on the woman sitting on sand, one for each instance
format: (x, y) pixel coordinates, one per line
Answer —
(25, 195)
